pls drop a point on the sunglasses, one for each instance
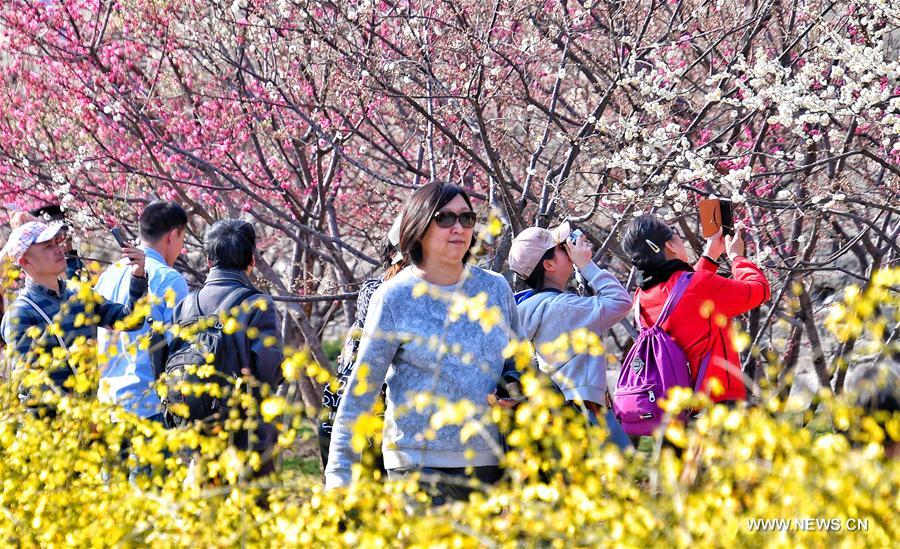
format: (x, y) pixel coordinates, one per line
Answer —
(446, 220)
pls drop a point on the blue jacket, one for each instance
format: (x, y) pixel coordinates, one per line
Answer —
(127, 379)
(75, 317)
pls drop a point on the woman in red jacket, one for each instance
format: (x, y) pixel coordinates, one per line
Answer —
(700, 324)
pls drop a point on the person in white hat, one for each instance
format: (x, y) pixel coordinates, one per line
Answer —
(50, 213)
(546, 259)
(36, 248)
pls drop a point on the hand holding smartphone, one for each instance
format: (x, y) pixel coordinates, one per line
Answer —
(507, 395)
(575, 235)
(579, 249)
(134, 255)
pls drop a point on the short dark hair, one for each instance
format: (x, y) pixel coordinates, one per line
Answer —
(230, 243)
(535, 280)
(635, 241)
(418, 213)
(160, 217)
(49, 212)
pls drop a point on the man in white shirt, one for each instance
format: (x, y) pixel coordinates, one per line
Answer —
(128, 377)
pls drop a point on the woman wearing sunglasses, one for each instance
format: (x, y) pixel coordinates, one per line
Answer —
(412, 344)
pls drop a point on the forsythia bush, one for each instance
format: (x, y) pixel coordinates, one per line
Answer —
(65, 479)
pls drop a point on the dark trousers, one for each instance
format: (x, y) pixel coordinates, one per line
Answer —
(597, 413)
(691, 418)
(139, 469)
(450, 483)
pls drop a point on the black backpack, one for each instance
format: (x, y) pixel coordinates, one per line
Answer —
(187, 356)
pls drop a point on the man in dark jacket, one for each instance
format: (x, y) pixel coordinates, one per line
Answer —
(254, 348)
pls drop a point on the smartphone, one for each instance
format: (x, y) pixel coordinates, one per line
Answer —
(120, 237)
(575, 235)
(510, 391)
(727, 220)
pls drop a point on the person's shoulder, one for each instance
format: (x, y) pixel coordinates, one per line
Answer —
(703, 285)
(491, 277)
(555, 302)
(163, 282)
(19, 311)
(16, 305)
(165, 270)
(184, 308)
(260, 299)
(371, 284)
(701, 278)
(368, 287)
(111, 274)
(400, 288)
(563, 298)
(401, 282)
(488, 279)
(161, 273)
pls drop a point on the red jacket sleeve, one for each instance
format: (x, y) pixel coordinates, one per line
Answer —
(704, 264)
(747, 290)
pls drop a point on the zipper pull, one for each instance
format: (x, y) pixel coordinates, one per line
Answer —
(652, 397)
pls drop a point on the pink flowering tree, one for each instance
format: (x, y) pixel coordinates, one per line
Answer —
(315, 119)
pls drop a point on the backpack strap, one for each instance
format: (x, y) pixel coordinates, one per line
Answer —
(637, 309)
(232, 299)
(46, 318)
(197, 303)
(702, 372)
(228, 302)
(677, 291)
(684, 279)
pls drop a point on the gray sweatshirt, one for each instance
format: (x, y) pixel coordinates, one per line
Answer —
(410, 344)
(547, 315)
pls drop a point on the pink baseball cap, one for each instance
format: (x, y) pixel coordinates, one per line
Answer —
(531, 244)
(23, 236)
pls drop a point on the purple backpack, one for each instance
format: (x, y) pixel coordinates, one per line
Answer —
(653, 365)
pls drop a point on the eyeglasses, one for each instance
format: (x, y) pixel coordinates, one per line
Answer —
(446, 220)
